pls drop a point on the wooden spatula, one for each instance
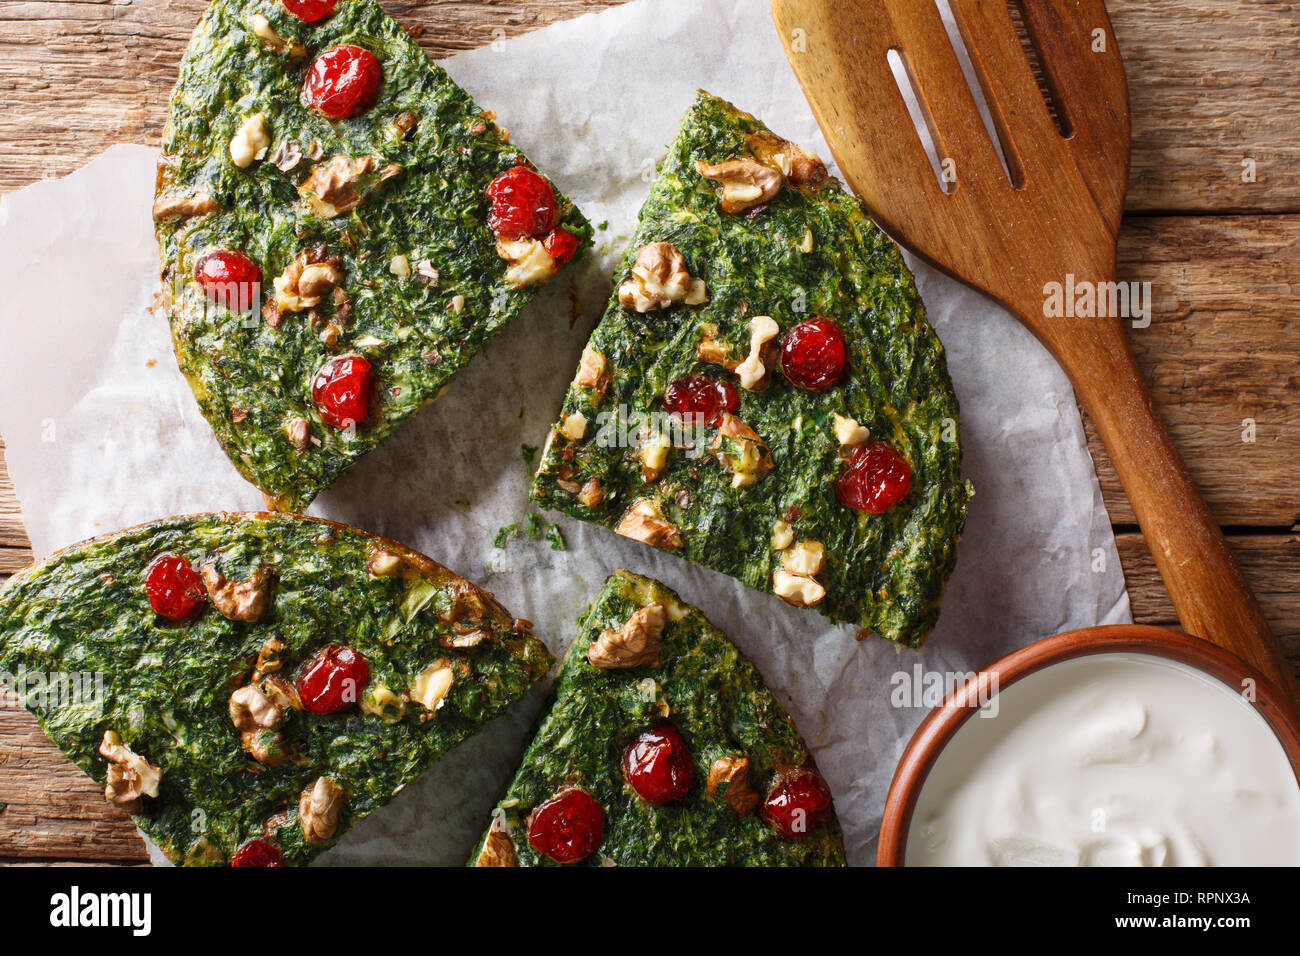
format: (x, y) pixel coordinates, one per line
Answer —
(1056, 215)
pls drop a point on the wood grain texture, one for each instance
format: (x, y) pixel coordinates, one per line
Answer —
(1223, 348)
(1212, 82)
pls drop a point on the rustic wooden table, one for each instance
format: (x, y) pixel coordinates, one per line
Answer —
(1213, 223)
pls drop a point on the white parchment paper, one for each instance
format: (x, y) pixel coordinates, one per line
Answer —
(102, 431)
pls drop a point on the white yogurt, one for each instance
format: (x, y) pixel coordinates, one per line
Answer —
(1111, 760)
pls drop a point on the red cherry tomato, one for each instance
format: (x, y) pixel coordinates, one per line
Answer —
(812, 354)
(568, 827)
(561, 244)
(699, 395)
(175, 589)
(658, 765)
(876, 479)
(523, 204)
(341, 391)
(798, 804)
(258, 853)
(332, 680)
(343, 81)
(309, 11)
(228, 277)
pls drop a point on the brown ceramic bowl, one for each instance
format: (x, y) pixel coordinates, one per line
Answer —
(944, 721)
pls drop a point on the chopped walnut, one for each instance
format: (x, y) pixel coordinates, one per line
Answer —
(795, 581)
(574, 427)
(528, 262)
(712, 350)
(431, 685)
(848, 431)
(750, 460)
(383, 564)
(287, 155)
(753, 373)
(173, 207)
(498, 848)
(746, 183)
(263, 30)
(252, 708)
(130, 776)
(298, 430)
(591, 494)
(660, 279)
(331, 189)
(318, 810)
(636, 644)
(304, 283)
(796, 589)
(732, 774)
(238, 600)
(644, 522)
(800, 167)
(250, 142)
(591, 371)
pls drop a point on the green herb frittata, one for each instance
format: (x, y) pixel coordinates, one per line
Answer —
(661, 746)
(251, 685)
(764, 395)
(341, 229)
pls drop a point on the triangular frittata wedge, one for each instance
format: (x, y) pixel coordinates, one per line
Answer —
(764, 395)
(331, 255)
(661, 746)
(251, 685)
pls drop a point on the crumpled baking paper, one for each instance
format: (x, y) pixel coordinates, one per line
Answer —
(102, 431)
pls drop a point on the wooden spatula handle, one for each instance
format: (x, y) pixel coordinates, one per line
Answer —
(1208, 589)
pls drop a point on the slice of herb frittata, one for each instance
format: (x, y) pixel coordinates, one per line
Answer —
(341, 228)
(764, 395)
(661, 746)
(251, 685)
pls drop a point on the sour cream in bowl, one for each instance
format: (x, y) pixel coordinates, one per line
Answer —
(1124, 746)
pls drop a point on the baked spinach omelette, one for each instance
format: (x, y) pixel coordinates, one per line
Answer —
(661, 746)
(341, 228)
(764, 395)
(248, 686)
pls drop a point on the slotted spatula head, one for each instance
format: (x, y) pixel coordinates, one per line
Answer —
(1057, 212)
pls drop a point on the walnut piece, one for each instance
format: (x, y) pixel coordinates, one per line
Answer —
(498, 848)
(733, 774)
(252, 708)
(174, 207)
(238, 600)
(751, 460)
(528, 262)
(431, 685)
(305, 282)
(644, 522)
(592, 493)
(746, 183)
(660, 279)
(130, 776)
(318, 810)
(298, 431)
(331, 189)
(800, 167)
(636, 644)
(384, 564)
(263, 30)
(752, 372)
(591, 372)
(794, 582)
(250, 142)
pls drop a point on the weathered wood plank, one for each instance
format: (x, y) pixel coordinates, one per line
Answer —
(1212, 82)
(54, 812)
(1270, 562)
(1222, 351)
